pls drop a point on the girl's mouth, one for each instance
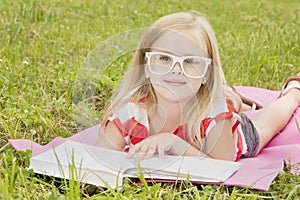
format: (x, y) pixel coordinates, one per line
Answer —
(175, 82)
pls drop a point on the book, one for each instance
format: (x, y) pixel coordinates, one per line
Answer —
(107, 168)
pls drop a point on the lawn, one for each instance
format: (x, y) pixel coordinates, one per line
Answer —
(44, 46)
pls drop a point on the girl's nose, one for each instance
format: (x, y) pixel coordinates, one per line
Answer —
(177, 69)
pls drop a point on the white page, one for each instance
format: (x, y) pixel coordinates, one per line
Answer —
(199, 169)
(90, 160)
(110, 165)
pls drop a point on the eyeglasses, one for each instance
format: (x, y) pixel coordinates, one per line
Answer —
(191, 66)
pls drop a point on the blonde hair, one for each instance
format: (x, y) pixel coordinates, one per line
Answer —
(136, 85)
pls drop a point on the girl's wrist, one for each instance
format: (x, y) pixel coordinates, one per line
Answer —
(184, 148)
(192, 151)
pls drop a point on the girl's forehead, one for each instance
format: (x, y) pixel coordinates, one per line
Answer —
(180, 44)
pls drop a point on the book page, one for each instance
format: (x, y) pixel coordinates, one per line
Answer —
(95, 164)
(91, 163)
(178, 167)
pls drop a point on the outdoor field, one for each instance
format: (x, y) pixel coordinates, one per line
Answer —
(44, 46)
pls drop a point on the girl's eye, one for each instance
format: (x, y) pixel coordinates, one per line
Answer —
(164, 58)
(190, 60)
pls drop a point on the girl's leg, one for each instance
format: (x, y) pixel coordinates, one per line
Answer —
(273, 117)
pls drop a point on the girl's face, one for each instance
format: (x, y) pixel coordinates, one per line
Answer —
(175, 86)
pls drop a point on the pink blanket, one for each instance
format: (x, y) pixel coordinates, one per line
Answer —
(258, 172)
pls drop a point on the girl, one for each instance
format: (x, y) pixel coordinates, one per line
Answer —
(174, 99)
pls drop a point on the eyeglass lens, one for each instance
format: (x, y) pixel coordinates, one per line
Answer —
(192, 65)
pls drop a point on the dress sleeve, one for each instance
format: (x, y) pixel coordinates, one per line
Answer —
(228, 112)
(132, 122)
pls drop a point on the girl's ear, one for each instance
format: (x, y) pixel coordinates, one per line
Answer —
(147, 71)
(146, 68)
(204, 80)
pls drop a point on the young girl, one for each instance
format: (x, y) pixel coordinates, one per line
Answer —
(174, 99)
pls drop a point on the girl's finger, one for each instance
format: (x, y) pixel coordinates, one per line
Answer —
(161, 152)
(146, 151)
(131, 153)
(133, 150)
(151, 152)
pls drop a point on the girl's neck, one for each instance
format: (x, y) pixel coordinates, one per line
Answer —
(165, 116)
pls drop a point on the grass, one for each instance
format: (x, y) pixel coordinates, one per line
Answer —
(44, 44)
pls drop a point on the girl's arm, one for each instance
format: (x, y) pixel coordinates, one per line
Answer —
(219, 144)
(220, 141)
(111, 138)
(161, 144)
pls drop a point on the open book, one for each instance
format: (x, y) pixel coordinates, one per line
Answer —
(103, 167)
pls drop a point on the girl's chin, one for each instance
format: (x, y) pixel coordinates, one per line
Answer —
(174, 97)
(174, 94)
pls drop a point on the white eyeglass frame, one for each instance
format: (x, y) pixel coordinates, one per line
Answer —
(178, 59)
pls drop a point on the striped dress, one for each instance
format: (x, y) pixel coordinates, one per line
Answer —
(133, 123)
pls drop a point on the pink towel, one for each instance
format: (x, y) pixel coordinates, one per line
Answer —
(258, 172)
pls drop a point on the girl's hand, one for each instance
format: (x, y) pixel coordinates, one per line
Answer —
(160, 144)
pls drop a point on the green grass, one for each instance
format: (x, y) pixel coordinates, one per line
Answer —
(43, 44)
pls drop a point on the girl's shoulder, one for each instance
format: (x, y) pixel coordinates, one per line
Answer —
(233, 98)
(130, 111)
(221, 104)
(230, 105)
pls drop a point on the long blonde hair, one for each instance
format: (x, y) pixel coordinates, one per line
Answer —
(136, 85)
